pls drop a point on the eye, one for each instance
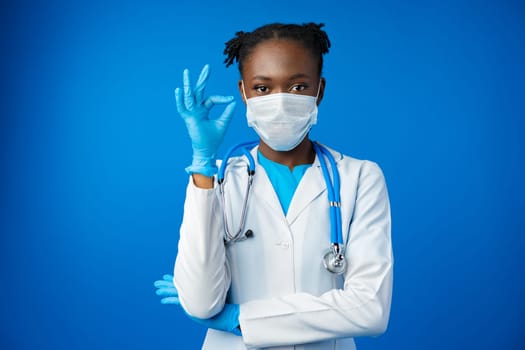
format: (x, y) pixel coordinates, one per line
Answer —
(298, 87)
(261, 89)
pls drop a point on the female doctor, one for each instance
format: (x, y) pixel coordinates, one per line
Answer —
(296, 249)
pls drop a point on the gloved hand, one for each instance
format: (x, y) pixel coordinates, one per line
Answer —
(206, 134)
(227, 320)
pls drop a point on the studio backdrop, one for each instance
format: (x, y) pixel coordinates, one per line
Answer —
(93, 155)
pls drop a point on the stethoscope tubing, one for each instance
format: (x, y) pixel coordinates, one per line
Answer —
(246, 152)
(334, 192)
(333, 188)
(334, 259)
(237, 236)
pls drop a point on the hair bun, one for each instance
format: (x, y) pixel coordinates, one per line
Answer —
(309, 34)
(233, 47)
(241, 35)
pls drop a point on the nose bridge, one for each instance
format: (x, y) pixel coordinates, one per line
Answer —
(279, 89)
(280, 85)
(279, 101)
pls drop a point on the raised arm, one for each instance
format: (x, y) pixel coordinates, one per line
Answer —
(201, 272)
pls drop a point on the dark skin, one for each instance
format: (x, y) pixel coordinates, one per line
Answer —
(274, 66)
(283, 65)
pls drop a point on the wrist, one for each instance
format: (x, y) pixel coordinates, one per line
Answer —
(203, 165)
(202, 181)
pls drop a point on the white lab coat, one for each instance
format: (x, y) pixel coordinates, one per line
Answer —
(288, 300)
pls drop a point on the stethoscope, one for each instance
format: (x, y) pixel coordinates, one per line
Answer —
(334, 259)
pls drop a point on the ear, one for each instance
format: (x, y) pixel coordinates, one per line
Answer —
(241, 91)
(322, 84)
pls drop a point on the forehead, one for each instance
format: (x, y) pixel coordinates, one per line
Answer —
(280, 57)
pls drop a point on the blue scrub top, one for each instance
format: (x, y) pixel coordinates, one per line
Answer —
(284, 180)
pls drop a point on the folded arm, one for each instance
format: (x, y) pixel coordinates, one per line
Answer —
(362, 308)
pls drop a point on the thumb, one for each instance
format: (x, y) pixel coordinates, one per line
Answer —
(214, 100)
(168, 277)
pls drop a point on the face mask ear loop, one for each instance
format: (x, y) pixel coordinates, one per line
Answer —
(318, 89)
(244, 91)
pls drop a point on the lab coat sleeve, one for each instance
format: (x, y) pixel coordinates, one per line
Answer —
(201, 273)
(362, 308)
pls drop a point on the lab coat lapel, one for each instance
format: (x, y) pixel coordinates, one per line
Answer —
(262, 189)
(311, 186)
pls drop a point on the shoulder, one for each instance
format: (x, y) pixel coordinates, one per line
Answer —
(363, 176)
(349, 164)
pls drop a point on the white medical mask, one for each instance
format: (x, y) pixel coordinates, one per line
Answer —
(282, 120)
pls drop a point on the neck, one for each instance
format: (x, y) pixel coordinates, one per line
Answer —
(302, 154)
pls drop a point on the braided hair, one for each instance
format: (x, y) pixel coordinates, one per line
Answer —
(308, 34)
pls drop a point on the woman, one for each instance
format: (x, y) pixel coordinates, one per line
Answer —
(270, 287)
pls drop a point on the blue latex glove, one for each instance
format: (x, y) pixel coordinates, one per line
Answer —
(206, 134)
(227, 320)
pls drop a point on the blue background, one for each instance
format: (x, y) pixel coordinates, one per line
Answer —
(93, 152)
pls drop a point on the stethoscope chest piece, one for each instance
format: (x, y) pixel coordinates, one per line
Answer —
(334, 260)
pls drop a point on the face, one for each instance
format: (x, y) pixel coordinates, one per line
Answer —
(281, 65)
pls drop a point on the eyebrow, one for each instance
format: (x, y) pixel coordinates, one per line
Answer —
(295, 76)
(260, 77)
(299, 75)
